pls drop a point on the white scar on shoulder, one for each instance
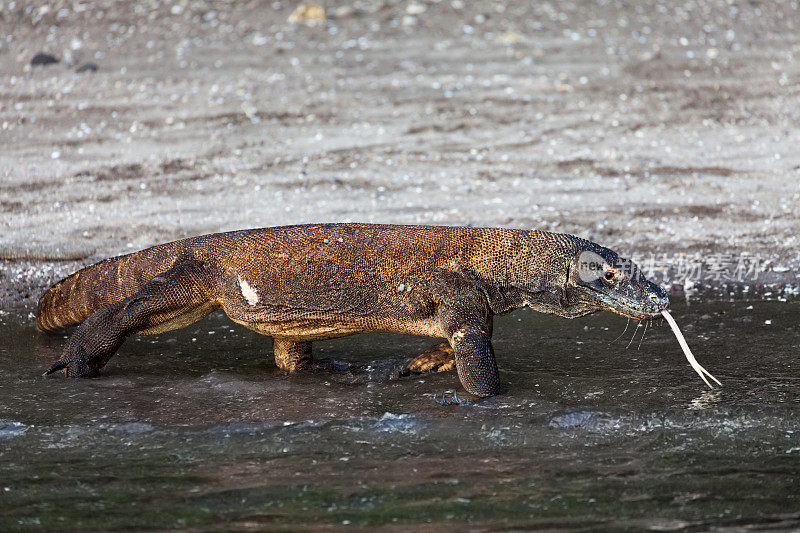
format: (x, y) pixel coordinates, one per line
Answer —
(687, 352)
(248, 292)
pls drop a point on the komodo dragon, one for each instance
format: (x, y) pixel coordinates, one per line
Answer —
(300, 284)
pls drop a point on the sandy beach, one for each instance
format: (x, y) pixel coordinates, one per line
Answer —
(667, 132)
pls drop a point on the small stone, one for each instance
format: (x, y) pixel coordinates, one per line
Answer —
(42, 59)
(308, 14)
(343, 12)
(511, 37)
(415, 8)
(87, 67)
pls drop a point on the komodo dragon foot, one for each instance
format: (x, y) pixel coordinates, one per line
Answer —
(77, 361)
(296, 355)
(438, 358)
(94, 342)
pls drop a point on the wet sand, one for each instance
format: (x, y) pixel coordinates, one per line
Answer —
(199, 428)
(653, 129)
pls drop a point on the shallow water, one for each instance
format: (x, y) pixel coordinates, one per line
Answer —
(198, 429)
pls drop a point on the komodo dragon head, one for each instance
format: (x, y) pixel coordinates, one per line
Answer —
(599, 279)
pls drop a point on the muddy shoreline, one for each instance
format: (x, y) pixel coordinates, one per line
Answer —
(669, 133)
(198, 427)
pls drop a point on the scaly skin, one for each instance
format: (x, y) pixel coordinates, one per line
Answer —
(300, 284)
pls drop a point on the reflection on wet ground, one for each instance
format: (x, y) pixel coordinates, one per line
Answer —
(202, 430)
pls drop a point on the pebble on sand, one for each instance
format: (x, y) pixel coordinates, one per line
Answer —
(42, 59)
(308, 14)
(87, 67)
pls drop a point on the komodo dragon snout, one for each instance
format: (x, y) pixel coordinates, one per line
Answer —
(600, 279)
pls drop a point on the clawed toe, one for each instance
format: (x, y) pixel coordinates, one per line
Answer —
(454, 399)
(72, 370)
(55, 367)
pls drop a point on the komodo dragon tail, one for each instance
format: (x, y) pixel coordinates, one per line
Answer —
(70, 301)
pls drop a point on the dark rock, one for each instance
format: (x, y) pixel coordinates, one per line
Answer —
(87, 67)
(42, 59)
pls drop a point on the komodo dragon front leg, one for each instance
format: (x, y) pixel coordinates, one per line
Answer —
(171, 300)
(468, 326)
(438, 358)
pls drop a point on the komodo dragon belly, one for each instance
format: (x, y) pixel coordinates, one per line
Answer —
(317, 311)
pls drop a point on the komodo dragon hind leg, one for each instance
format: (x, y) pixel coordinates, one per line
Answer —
(439, 358)
(296, 355)
(171, 300)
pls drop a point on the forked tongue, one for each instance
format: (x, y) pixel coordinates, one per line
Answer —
(687, 352)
